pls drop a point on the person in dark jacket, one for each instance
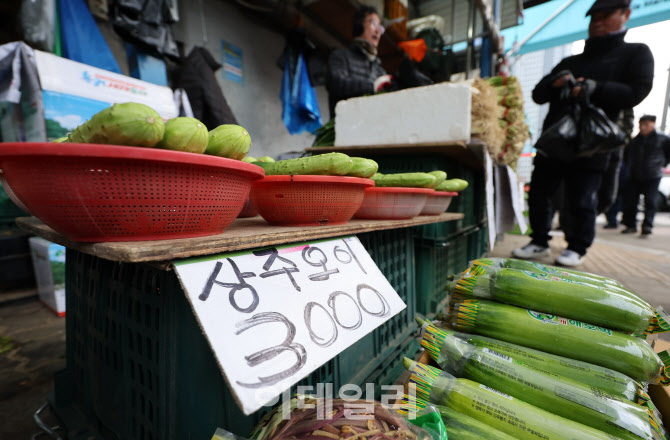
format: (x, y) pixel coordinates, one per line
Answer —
(356, 70)
(196, 76)
(615, 75)
(646, 156)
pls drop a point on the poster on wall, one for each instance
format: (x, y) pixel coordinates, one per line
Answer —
(232, 62)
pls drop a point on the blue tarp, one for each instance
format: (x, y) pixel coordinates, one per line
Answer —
(82, 40)
(572, 24)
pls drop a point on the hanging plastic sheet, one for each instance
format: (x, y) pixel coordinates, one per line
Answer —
(300, 105)
(37, 22)
(82, 40)
(21, 105)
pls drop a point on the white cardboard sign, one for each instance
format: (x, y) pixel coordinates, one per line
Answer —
(274, 315)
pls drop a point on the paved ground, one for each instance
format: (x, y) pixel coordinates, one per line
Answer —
(32, 339)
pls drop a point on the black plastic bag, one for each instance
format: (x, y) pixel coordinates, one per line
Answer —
(597, 134)
(582, 131)
(561, 139)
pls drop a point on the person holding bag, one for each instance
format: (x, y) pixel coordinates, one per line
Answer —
(609, 76)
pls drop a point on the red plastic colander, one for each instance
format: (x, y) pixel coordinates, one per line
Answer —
(308, 200)
(92, 192)
(393, 203)
(438, 202)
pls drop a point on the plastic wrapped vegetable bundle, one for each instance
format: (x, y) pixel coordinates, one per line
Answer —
(512, 263)
(329, 419)
(610, 308)
(501, 411)
(595, 376)
(560, 336)
(458, 426)
(557, 394)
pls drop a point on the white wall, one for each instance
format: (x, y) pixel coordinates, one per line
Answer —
(255, 103)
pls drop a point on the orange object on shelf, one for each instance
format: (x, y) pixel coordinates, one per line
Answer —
(415, 49)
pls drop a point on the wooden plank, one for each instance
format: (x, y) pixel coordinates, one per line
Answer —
(245, 233)
(469, 154)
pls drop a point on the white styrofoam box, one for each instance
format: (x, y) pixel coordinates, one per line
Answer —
(49, 265)
(436, 113)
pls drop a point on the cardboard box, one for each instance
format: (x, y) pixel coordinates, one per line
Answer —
(49, 265)
(68, 94)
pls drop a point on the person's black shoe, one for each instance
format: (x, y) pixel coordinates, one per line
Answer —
(610, 226)
(646, 230)
(629, 230)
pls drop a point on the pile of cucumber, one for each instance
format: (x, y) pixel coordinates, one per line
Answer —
(340, 164)
(563, 351)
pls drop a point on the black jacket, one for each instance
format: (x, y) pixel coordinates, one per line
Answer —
(351, 74)
(196, 76)
(646, 156)
(623, 73)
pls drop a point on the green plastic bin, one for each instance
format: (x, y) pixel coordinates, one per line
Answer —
(139, 367)
(435, 261)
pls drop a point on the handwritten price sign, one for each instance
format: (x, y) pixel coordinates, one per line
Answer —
(272, 316)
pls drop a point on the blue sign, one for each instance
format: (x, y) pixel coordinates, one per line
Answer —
(232, 62)
(572, 24)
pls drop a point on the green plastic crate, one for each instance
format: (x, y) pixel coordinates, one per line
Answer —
(391, 371)
(8, 211)
(435, 261)
(470, 202)
(477, 242)
(393, 252)
(139, 367)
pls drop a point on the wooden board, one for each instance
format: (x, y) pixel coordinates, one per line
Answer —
(245, 233)
(469, 154)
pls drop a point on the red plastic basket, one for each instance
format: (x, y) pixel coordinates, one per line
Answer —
(308, 200)
(248, 210)
(97, 192)
(438, 202)
(393, 203)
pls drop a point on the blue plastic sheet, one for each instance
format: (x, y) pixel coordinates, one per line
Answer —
(300, 109)
(572, 24)
(81, 38)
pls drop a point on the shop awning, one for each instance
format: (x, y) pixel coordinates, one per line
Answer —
(571, 24)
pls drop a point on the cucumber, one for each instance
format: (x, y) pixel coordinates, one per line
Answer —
(498, 410)
(440, 176)
(130, 123)
(557, 394)
(592, 375)
(411, 180)
(459, 426)
(564, 337)
(512, 263)
(329, 164)
(609, 308)
(453, 185)
(363, 167)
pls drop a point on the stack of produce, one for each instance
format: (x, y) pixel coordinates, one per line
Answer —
(511, 119)
(484, 116)
(138, 125)
(435, 179)
(537, 351)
